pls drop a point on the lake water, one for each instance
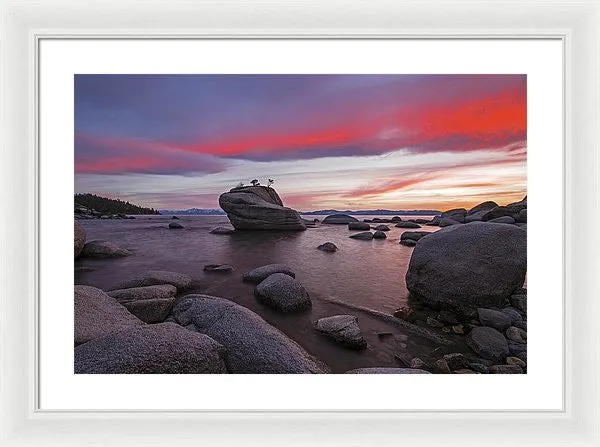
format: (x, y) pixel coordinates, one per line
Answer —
(362, 273)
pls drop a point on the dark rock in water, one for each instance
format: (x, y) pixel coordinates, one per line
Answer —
(253, 345)
(494, 318)
(382, 228)
(151, 310)
(414, 235)
(506, 369)
(408, 242)
(359, 226)
(503, 219)
(174, 217)
(407, 225)
(383, 370)
(365, 236)
(218, 268)
(488, 343)
(380, 220)
(509, 210)
(339, 219)
(259, 274)
(447, 221)
(157, 277)
(222, 230)
(175, 226)
(283, 293)
(396, 219)
(435, 222)
(464, 267)
(79, 239)
(103, 249)
(164, 348)
(379, 235)
(259, 208)
(343, 329)
(329, 247)
(484, 206)
(143, 293)
(97, 314)
(420, 221)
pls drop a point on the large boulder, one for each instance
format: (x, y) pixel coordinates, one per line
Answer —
(103, 249)
(484, 206)
(259, 274)
(359, 226)
(164, 348)
(339, 219)
(457, 214)
(283, 293)
(157, 277)
(343, 329)
(97, 314)
(259, 208)
(253, 345)
(448, 221)
(463, 267)
(79, 239)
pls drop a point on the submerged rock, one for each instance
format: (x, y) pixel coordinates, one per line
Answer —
(164, 348)
(103, 249)
(259, 274)
(175, 226)
(259, 208)
(97, 314)
(413, 235)
(253, 345)
(79, 239)
(343, 329)
(339, 219)
(359, 226)
(218, 268)
(464, 267)
(222, 230)
(383, 370)
(379, 235)
(157, 277)
(283, 293)
(364, 236)
(407, 225)
(329, 247)
(382, 228)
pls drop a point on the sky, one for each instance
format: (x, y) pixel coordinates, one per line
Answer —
(328, 141)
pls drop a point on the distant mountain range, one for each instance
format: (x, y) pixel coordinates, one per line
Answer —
(220, 212)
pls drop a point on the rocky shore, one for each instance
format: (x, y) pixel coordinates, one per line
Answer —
(466, 297)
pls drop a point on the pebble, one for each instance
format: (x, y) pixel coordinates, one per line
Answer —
(516, 334)
(516, 361)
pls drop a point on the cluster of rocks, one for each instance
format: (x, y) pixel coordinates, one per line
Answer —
(96, 248)
(513, 213)
(83, 213)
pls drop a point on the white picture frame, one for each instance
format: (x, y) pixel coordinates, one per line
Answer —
(24, 23)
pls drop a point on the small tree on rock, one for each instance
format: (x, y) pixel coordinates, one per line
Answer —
(271, 181)
(255, 182)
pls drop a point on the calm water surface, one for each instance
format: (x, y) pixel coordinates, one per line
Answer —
(364, 273)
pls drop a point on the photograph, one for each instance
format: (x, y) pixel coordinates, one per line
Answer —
(300, 223)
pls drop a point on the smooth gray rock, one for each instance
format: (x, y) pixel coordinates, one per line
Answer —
(513, 314)
(456, 214)
(408, 242)
(162, 291)
(364, 236)
(516, 334)
(414, 235)
(463, 267)
(259, 208)
(482, 207)
(379, 235)
(503, 219)
(164, 348)
(175, 226)
(103, 249)
(494, 318)
(339, 219)
(475, 217)
(79, 239)
(343, 329)
(222, 230)
(382, 228)
(283, 293)
(259, 274)
(359, 226)
(153, 310)
(329, 247)
(253, 345)
(383, 370)
(218, 268)
(488, 343)
(407, 225)
(448, 221)
(157, 277)
(97, 314)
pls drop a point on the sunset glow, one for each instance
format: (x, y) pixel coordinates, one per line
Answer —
(329, 141)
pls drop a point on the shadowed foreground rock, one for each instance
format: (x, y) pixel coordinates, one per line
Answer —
(376, 370)
(79, 239)
(259, 274)
(164, 348)
(155, 278)
(103, 249)
(143, 293)
(259, 208)
(463, 267)
(97, 314)
(283, 293)
(343, 329)
(253, 345)
(488, 343)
